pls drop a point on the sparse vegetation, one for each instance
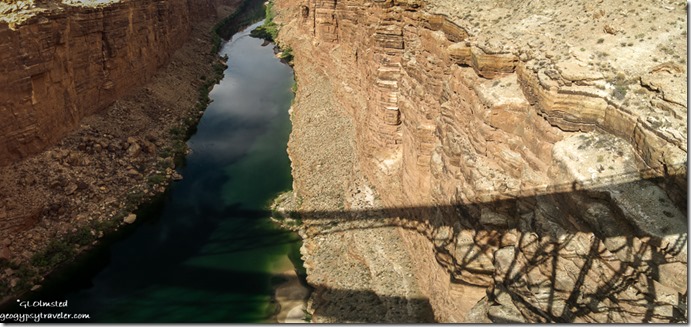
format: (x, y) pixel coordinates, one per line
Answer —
(601, 54)
(176, 131)
(269, 30)
(26, 275)
(308, 316)
(57, 251)
(666, 50)
(620, 91)
(287, 54)
(156, 179)
(82, 236)
(165, 152)
(621, 86)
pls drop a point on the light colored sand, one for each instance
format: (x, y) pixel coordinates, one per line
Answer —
(291, 296)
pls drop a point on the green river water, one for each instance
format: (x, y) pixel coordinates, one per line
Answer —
(208, 252)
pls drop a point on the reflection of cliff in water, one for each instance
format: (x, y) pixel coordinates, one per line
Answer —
(208, 254)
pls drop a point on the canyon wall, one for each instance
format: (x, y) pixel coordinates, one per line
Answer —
(61, 62)
(59, 202)
(491, 161)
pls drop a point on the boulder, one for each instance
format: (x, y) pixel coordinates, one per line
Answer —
(5, 253)
(131, 218)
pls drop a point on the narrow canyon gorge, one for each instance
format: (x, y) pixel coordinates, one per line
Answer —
(452, 161)
(96, 98)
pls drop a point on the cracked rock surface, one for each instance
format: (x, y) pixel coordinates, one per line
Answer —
(531, 157)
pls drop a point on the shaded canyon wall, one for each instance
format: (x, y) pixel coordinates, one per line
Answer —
(71, 61)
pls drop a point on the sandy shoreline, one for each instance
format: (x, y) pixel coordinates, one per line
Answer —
(291, 295)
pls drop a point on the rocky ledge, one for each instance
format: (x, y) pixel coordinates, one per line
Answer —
(469, 161)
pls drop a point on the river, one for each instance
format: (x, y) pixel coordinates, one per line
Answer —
(209, 252)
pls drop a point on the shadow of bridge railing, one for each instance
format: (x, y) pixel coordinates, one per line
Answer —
(575, 252)
(579, 252)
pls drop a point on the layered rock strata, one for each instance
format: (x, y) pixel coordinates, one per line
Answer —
(59, 202)
(63, 61)
(529, 158)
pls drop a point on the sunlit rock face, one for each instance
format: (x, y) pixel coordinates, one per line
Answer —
(530, 158)
(63, 61)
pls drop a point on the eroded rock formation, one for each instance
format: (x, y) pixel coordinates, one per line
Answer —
(63, 61)
(491, 161)
(60, 201)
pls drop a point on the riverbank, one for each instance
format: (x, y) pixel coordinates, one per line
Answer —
(293, 294)
(291, 297)
(93, 181)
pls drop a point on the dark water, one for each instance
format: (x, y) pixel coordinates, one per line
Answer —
(202, 257)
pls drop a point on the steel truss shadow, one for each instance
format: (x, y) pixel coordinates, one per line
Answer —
(598, 252)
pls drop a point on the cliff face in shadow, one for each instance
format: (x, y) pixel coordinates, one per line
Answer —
(506, 162)
(64, 61)
(59, 202)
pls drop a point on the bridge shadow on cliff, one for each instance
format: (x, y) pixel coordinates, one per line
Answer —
(532, 253)
(673, 197)
(566, 253)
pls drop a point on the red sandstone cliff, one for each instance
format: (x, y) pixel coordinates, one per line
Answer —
(62, 62)
(151, 59)
(491, 161)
